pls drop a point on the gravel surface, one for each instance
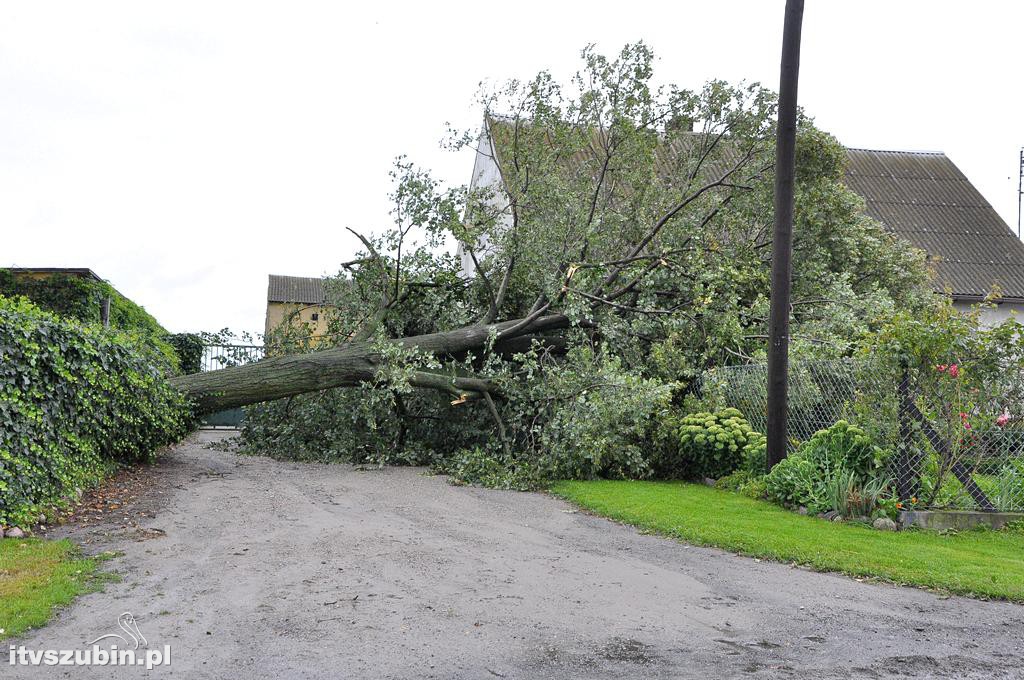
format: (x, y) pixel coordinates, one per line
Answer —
(252, 568)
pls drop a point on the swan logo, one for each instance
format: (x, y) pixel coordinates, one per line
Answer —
(129, 647)
(126, 622)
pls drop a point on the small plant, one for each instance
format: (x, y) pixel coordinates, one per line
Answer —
(1009, 493)
(710, 445)
(851, 499)
(734, 481)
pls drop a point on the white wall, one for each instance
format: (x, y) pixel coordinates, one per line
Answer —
(993, 316)
(486, 174)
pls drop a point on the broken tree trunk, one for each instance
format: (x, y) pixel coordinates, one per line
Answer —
(345, 365)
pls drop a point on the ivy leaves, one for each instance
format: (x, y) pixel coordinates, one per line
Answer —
(73, 399)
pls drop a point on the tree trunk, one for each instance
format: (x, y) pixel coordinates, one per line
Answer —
(342, 366)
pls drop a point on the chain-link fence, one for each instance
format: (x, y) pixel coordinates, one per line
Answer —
(947, 444)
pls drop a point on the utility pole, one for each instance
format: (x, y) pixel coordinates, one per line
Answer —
(782, 237)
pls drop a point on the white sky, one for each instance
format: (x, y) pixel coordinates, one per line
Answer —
(185, 150)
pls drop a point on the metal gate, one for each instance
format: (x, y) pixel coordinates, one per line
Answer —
(216, 357)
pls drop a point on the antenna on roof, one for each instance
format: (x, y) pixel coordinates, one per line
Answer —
(1020, 188)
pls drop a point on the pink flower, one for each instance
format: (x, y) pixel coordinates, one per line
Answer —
(1002, 419)
(954, 371)
(963, 418)
(941, 368)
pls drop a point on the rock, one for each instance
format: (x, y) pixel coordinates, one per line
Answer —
(863, 519)
(801, 510)
(1, 532)
(14, 532)
(708, 481)
(829, 515)
(884, 524)
(837, 518)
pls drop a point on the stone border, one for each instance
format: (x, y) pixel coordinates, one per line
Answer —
(942, 520)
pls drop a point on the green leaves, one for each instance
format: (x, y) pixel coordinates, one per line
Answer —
(74, 398)
(809, 476)
(708, 445)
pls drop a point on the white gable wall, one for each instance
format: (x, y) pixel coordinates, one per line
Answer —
(486, 175)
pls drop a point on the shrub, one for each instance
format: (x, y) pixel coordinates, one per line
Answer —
(189, 349)
(825, 469)
(844, 446)
(74, 398)
(796, 481)
(710, 445)
(756, 488)
(734, 481)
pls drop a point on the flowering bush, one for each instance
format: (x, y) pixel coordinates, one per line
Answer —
(709, 445)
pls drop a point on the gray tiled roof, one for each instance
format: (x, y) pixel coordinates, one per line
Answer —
(301, 289)
(925, 199)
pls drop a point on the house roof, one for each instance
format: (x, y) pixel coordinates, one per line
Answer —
(301, 289)
(926, 200)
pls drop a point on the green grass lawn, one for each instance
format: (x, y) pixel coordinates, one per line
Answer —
(981, 563)
(36, 576)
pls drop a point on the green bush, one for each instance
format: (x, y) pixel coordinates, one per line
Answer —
(74, 399)
(734, 481)
(809, 477)
(189, 349)
(844, 446)
(796, 481)
(710, 445)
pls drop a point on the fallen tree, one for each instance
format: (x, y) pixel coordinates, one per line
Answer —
(644, 211)
(350, 364)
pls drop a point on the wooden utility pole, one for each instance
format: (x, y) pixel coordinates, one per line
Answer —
(782, 237)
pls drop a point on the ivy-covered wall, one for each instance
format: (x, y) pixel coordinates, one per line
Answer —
(82, 298)
(75, 400)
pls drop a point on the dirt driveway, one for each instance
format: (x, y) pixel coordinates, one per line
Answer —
(251, 568)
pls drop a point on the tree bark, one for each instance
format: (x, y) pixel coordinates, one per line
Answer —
(345, 365)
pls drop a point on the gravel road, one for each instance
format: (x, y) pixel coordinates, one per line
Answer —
(252, 568)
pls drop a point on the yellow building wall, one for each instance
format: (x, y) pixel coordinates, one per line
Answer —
(298, 314)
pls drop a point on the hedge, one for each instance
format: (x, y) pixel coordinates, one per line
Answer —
(75, 400)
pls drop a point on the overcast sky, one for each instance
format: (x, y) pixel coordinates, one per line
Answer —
(184, 151)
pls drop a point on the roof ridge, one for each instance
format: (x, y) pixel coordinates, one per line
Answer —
(905, 151)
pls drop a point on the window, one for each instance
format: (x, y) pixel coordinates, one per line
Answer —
(315, 316)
